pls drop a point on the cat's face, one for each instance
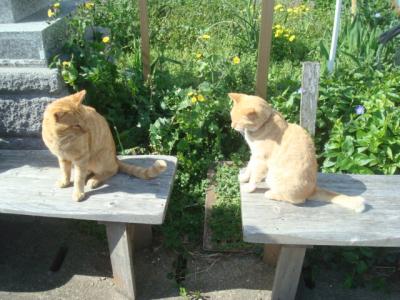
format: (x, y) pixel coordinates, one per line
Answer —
(66, 113)
(248, 112)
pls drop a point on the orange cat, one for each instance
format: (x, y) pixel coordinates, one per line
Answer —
(79, 136)
(282, 153)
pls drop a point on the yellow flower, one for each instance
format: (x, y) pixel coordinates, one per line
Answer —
(50, 13)
(278, 32)
(200, 98)
(56, 5)
(106, 39)
(194, 99)
(66, 64)
(291, 38)
(278, 6)
(236, 60)
(199, 55)
(277, 26)
(205, 37)
(89, 5)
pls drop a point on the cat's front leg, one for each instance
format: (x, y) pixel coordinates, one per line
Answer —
(258, 170)
(245, 175)
(81, 172)
(65, 166)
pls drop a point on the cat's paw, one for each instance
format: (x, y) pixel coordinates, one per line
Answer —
(62, 183)
(78, 196)
(94, 183)
(243, 178)
(249, 187)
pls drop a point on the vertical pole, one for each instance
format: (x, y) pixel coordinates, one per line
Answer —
(264, 47)
(144, 34)
(335, 35)
(309, 96)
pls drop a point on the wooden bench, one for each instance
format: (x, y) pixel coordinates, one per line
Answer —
(287, 230)
(128, 206)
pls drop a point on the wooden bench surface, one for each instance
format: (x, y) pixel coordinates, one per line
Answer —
(27, 187)
(319, 223)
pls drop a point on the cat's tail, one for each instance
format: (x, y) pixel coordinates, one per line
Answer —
(355, 203)
(156, 169)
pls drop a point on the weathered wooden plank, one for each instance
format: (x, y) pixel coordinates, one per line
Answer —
(27, 187)
(264, 47)
(120, 246)
(318, 223)
(309, 96)
(287, 273)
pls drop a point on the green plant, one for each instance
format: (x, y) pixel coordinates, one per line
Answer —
(225, 220)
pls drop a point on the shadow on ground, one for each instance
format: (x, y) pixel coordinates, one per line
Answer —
(29, 246)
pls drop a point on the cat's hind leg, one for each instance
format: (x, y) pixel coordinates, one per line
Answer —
(282, 197)
(98, 179)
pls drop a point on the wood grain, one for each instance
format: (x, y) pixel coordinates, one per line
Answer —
(309, 96)
(27, 187)
(120, 246)
(287, 273)
(145, 38)
(318, 223)
(264, 47)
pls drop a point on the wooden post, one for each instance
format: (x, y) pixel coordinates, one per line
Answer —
(309, 96)
(264, 47)
(144, 34)
(288, 272)
(120, 245)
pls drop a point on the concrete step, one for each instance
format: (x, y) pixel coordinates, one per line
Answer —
(22, 143)
(21, 114)
(34, 40)
(43, 80)
(15, 10)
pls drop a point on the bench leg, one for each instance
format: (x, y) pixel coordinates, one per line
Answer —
(288, 272)
(120, 245)
(143, 236)
(271, 254)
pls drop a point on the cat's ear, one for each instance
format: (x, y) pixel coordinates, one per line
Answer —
(78, 97)
(58, 116)
(250, 113)
(235, 97)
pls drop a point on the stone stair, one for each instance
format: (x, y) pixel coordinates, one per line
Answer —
(28, 41)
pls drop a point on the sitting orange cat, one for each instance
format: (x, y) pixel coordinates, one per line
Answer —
(79, 136)
(282, 153)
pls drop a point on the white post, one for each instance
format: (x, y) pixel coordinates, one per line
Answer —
(335, 35)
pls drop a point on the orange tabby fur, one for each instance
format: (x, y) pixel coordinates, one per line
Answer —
(282, 153)
(79, 136)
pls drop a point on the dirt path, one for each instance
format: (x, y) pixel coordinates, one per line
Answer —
(29, 246)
